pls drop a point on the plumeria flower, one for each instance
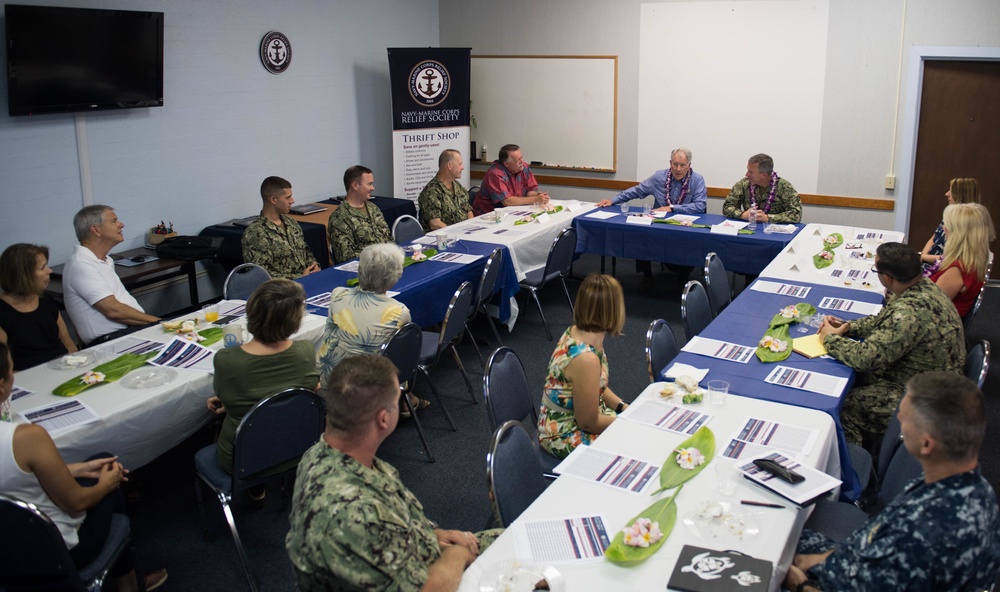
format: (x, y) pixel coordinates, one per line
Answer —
(92, 377)
(686, 223)
(194, 337)
(830, 240)
(826, 255)
(790, 312)
(689, 458)
(642, 533)
(418, 256)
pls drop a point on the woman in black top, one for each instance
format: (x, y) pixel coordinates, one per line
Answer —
(30, 322)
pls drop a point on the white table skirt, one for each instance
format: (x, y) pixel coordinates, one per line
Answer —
(137, 425)
(568, 496)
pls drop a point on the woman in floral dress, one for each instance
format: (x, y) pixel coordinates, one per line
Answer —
(577, 403)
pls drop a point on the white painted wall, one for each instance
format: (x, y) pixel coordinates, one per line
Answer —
(226, 124)
(859, 143)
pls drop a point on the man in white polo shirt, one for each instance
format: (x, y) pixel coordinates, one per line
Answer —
(96, 300)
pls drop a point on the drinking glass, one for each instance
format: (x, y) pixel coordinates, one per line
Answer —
(726, 473)
(717, 391)
(624, 208)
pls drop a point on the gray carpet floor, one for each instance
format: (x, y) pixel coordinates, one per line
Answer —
(166, 520)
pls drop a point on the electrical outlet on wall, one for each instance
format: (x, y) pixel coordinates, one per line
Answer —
(890, 182)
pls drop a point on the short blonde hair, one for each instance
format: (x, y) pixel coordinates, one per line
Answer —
(969, 234)
(964, 190)
(600, 305)
(275, 310)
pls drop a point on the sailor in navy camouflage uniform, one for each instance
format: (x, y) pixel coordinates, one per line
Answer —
(942, 532)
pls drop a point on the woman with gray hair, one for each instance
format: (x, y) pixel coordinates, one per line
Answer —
(362, 318)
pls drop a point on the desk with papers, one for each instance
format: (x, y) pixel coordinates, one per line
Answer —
(574, 496)
(137, 424)
(609, 232)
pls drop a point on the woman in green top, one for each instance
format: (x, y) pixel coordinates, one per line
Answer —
(265, 365)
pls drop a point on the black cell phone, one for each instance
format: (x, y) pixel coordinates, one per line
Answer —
(783, 473)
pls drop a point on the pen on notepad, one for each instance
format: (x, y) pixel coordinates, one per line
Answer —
(761, 504)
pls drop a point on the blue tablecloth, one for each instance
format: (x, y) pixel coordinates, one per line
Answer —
(426, 288)
(680, 245)
(744, 322)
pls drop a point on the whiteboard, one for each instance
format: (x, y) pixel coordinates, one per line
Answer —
(561, 110)
(751, 80)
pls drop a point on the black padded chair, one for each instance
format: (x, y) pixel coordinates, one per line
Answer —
(403, 350)
(661, 347)
(473, 192)
(487, 285)
(33, 554)
(508, 396)
(720, 293)
(406, 229)
(513, 473)
(967, 321)
(556, 267)
(274, 434)
(434, 344)
(243, 280)
(977, 363)
(695, 309)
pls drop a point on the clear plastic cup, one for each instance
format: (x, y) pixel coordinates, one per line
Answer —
(717, 391)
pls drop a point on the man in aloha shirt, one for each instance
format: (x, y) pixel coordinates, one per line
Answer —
(354, 524)
(355, 224)
(775, 198)
(274, 241)
(941, 532)
(444, 201)
(508, 182)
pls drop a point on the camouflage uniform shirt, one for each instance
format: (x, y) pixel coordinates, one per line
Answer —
(281, 250)
(786, 207)
(936, 536)
(436, 201)
(355, 528)
(915, 332)
(352, 229)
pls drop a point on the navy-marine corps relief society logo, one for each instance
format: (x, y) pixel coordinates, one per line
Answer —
(429, 83)
(275, 52)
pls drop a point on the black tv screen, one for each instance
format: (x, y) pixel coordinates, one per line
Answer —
(82, 59)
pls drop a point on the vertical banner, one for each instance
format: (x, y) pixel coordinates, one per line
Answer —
(430, 113)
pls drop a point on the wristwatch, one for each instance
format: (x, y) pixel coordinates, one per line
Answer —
(620, 407)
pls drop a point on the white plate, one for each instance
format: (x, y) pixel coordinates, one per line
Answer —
(734, 525)
(75, 361)
(519, 576)
(147, 377)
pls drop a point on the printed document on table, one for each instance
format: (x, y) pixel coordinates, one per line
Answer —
(232, 309)
(823, 384)
(816, 483)
(683, 218)
(665, 416)
(780, 288)
(601, 215)
(772, 436)
(580, 538)
(17, 392)
(610, 469)
(845, 305)
(131, 345)
(181, 353)
(508, 232)
(714, 348)
(452, 257)
(733, 224)
(61, 416)
(351, 266)
(858, 275)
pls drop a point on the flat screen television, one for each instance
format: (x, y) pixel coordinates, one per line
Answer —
(82, 59)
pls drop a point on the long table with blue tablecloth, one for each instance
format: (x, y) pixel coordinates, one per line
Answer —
(426, 287)
(744, 322)
(679, 245)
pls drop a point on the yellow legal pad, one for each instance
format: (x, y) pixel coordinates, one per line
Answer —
(810, 347)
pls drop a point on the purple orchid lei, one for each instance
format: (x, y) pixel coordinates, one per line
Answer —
(684, 187)
(770, 194)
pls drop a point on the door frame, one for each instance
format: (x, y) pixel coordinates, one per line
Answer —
(911, 115)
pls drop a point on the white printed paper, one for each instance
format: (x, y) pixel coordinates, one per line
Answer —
(714, 348)
(640, 220)
(780, 288)
(815, 485)
(665, 416)
(724, 229)
(508, 232)
(321, 300)
(683, 218)
(804, 380)
(845, 305)
(61, 416)
(131, 345)
(17, 392)
(852, 274)
(238, 309)
(563, 539)
(777, 436)
(737, 224)
(181, 353)
(677, 369)
(452, 257)
(601, 215)
(610, 469)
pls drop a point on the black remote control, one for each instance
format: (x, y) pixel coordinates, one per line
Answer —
(783, 473)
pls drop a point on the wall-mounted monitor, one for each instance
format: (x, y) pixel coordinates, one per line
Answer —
(82, 59)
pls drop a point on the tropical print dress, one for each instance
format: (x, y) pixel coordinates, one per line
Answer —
(557, 430)
(358, 322)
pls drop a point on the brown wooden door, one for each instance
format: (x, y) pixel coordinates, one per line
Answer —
(959, 136)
